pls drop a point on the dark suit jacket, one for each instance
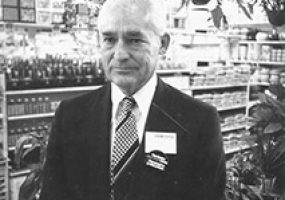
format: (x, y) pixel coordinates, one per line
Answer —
(77, 166)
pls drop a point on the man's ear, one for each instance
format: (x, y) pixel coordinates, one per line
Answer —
(165, 39)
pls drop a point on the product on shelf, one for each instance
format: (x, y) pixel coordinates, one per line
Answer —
(224, 99)
(269, 75)
(233, 121)
(234, 142)
(52, 72)
(265, 52)
(227, 75)
(42, 128)
(30, 105)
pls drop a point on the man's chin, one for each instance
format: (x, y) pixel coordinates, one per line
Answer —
(127, 86)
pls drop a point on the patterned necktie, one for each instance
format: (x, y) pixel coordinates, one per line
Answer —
(125, 141)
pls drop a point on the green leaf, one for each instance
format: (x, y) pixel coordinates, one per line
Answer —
(273, 127)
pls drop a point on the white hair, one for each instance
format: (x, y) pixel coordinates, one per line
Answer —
(154, 11)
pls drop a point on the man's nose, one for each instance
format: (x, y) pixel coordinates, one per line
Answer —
(121, 51)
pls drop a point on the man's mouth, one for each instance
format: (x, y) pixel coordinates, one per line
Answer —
(124, 69)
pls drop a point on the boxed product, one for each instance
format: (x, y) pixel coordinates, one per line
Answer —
(10, 3)
(82, 21)
(27, 15)
(11, 14)
(27, 3)
(46, 4)
(43, 17)
(58, 5)
(81, 9)
(57, 17)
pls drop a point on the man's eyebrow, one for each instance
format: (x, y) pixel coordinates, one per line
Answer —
(134, 33)
(108, 33)
(128, 33)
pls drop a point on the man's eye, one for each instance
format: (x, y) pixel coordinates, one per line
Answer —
(109, 40)
(136, 41)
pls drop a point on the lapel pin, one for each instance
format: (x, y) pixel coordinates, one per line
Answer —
(157, 160)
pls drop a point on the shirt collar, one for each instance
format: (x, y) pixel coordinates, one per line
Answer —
(143, 97)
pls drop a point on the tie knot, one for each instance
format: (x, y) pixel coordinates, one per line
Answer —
(128, 103)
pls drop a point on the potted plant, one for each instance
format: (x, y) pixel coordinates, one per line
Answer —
(267, 128)
(242, 178)
(275, 10)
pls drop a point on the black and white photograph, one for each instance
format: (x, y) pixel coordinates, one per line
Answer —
(142, 99)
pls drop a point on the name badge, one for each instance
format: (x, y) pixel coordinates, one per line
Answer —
(165, 142)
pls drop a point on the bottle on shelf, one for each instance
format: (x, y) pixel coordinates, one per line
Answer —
(28, 74)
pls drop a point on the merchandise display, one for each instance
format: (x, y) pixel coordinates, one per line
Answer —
(224, 100)
(33, 105)
(221, 75)
(224, 86)
(48, 12)
(40, 128)
(52, 72)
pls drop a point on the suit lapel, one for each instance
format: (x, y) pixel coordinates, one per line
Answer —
(99, 119)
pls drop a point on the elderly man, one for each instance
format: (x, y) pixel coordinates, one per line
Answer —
(135, 138)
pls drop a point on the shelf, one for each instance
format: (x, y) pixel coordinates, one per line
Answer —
(27, 146)
(44, 26)
(259, 62)
(53, 90)
(231, 107)
(3, 161)
(252, 103)
(172, 71)
(28, 25)
(210, 87)
(20, 173)
(269, 42)
(30, 116)
(222, 35)
(237, 149)
(266, 84)
(233, 128)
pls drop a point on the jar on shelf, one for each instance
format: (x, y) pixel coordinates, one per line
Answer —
(274, 76)
(265, 53)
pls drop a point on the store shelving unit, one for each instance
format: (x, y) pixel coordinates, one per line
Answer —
(4, 173)
(19, 122)
(233, 107)
(223, 43)
(256, 62)
(30, 116)
(51, 90)
(194, 89)
(224, 86)
(35, 112)
(232, 128)
(35, 115)
(269, 55)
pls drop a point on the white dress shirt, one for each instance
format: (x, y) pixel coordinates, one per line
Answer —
(143, 99)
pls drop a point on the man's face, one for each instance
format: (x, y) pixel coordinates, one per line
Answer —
(129, 50)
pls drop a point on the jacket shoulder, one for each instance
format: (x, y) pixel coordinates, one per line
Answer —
(81, 105)
(184, 102)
